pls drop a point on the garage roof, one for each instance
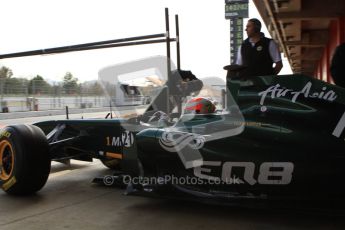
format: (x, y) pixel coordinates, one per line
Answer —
(301, 27)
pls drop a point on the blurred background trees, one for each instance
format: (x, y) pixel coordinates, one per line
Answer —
(38, 85)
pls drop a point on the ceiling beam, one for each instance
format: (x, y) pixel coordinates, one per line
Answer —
(270, 15)
(304, 15)
(305, 44)
(306, 58)
(287, 5)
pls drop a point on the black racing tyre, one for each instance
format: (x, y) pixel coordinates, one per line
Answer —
(111, 163)
(24, 159)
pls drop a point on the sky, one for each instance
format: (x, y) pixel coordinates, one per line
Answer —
(38, 24)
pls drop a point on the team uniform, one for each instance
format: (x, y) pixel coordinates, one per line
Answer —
(258, 57)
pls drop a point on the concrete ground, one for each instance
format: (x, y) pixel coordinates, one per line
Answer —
(70, 201)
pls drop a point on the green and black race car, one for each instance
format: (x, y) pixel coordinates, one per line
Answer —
(278, 137)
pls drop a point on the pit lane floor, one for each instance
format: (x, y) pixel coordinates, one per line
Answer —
(70, 201)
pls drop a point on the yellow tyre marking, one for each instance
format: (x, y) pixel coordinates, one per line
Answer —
(9, 183)
(3, 145)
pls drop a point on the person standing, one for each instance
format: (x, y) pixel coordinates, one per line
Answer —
(258, 53)
(338, 65)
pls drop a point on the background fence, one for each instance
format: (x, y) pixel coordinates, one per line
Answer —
(16, 104)
(18, 94)
(33, 95)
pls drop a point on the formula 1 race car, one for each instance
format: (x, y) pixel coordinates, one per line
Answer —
(281, 137)
(277, 137)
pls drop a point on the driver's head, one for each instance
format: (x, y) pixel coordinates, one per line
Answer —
(200, 105)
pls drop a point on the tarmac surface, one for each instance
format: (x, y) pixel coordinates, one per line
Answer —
(70, 201)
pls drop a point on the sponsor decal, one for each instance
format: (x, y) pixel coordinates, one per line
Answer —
(270, 173)
(276, 91)
(126, 139)
(339, 128)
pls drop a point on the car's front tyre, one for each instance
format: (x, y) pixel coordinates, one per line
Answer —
(24, 159)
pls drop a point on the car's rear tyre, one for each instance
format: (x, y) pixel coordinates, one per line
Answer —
(111, 163)
(24, 159)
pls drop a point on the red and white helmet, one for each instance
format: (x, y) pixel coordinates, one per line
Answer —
(200, 105)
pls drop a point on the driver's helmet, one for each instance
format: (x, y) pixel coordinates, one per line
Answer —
(200, 105)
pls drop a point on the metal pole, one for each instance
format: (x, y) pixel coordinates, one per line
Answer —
(67, 113)
(177, 42)
(179, 97)
(223, 98)
(111, 110)
(2, 92)
(88, 46)
(167, 36)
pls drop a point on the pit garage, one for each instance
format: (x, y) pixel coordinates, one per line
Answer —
(307, 31)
